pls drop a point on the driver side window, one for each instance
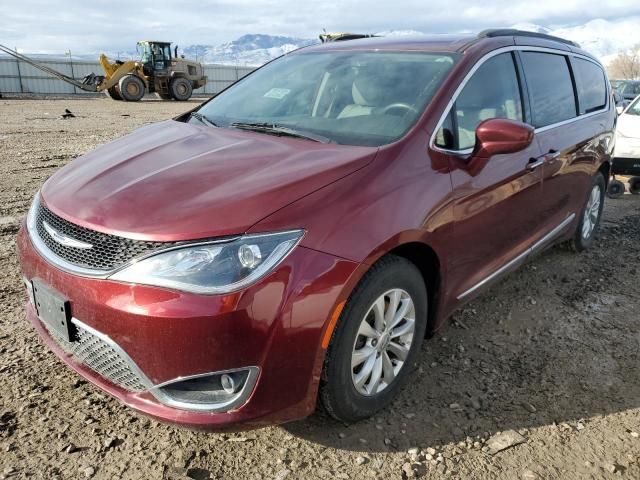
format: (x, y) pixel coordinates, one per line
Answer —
(492, 92)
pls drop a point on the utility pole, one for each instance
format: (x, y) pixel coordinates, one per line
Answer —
(15, 49)
(68, 52)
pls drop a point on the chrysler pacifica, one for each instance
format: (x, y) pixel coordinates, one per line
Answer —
(292, 241)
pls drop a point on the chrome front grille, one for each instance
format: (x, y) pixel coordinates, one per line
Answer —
(107, 252)
(103, 356)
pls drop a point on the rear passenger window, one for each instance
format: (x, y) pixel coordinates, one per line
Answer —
(550, 87)
(592, 90)
(492, 92)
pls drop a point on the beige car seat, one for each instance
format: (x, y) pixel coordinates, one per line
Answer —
(360, 106)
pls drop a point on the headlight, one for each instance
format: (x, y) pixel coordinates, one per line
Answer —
(213, 268)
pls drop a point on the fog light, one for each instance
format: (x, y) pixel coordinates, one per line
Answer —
(228, 384)
(214, 392)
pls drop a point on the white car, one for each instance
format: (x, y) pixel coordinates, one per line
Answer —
(626, 155)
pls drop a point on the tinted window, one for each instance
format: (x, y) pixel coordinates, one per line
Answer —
(492, 92)
(592, 90)
(550, 87)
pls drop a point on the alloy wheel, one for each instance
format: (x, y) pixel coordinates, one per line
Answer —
(383, 342)
(591, 212)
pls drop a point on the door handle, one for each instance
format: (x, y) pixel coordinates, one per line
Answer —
(536, 162)
(552, 154)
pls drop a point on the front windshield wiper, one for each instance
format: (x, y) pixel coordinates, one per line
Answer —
(202, 119)
(275, 129)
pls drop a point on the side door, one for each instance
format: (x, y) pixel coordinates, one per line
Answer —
(496, 209)
(569, 104)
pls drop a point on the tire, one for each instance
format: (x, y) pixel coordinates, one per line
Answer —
(590, 215)
(181, 89)
(339, 395)
(113, 93)
(131, 88)
(616, 189)
(634, 185)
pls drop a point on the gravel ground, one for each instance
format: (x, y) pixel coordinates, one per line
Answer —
(549, 357)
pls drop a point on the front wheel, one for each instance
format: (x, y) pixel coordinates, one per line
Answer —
(376, 341)
(590, 215)
(634, 185)
(181, 89)
(131, 88)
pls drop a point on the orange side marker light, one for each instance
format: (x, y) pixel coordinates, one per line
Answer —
(332, 325)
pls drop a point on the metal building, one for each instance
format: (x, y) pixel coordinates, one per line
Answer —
(20, 77)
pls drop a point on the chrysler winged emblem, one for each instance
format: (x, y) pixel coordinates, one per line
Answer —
(65, 240)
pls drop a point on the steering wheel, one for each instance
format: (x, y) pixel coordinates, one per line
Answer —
(397, 106)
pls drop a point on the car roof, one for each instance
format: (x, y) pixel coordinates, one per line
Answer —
(440, 43)
(453, 43)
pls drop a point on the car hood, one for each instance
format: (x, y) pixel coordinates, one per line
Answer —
(174, 181)
(629, 125)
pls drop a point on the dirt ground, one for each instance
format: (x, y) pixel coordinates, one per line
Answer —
(552, 353)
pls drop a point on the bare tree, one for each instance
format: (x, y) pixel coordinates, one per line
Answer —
(626, 65)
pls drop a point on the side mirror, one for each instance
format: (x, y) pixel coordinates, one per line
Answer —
(499, 136)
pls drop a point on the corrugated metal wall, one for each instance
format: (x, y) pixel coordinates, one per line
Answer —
(20, 77)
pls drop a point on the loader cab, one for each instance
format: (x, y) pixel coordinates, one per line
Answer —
(155, 57)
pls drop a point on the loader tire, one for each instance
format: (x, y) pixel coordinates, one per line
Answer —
(113, 93)
(131, 88)
(181, 89)
(634, 185)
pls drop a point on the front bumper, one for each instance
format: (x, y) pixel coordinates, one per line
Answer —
(275, 325)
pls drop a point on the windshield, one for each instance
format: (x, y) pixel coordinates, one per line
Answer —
(629, 88)
(145, 52)
(352, 98)
(634, 108)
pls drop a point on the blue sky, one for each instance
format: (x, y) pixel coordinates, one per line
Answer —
(55, 26)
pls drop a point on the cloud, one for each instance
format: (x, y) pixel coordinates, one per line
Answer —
(85, 27)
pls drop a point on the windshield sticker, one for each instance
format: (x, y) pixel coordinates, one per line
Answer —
(277, 93)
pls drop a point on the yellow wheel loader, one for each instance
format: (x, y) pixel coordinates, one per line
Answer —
(157, 70)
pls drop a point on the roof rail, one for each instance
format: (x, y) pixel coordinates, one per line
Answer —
(513, 32)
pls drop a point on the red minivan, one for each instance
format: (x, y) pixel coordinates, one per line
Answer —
(296, 237)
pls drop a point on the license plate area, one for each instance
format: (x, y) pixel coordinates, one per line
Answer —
(53, 310)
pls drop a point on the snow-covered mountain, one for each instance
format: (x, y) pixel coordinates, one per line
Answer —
(251, 49)
(601, 37)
